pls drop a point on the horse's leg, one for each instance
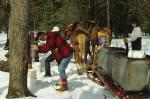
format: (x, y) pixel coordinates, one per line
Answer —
(89, 51)
(78, 63)
(93, 67)
(77, 59)
(88, 67)
(85, 57)
(93, 49)
(82, 43)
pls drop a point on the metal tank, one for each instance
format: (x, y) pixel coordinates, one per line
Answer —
(34, 53)
(106, 57)
(130, 74)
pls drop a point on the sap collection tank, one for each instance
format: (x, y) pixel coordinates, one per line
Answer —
(129, 73)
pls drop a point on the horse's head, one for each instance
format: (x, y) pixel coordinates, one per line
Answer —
(68, 31)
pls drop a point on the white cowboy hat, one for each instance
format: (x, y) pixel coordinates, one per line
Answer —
(55, 29)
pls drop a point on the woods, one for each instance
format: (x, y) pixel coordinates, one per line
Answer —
(47, 13)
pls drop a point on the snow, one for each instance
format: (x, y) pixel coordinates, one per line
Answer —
(3, 38)
(145, 44)
(80, 87)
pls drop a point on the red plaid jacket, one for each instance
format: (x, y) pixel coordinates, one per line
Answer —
(55, 41)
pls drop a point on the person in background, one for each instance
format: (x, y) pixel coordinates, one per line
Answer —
(30, 38)
(101, 39)
(101, 43)
(62, 51)
(50, 57)
(32, 55)
(136, 36)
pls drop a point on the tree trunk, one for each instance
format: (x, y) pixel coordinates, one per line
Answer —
(18, 29)
(108, 15)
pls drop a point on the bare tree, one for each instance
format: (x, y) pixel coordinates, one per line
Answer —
(18, 29)
(108, 15)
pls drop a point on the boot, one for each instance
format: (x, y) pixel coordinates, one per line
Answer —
(62, 86)
(48, 75)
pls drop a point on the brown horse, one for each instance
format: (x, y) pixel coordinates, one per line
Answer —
(93, 29)
(80, 42)
(107, 36)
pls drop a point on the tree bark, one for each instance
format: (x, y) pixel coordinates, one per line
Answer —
(18, 29)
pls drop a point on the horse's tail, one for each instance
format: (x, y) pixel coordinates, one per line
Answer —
(82, 42)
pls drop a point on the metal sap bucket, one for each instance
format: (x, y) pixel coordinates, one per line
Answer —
(34, 53)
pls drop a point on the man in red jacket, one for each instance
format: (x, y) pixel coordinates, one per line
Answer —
(62, 53)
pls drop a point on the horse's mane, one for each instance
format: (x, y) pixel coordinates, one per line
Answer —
(107, 29)
(75, 25)
(77, 29)
(80, 30)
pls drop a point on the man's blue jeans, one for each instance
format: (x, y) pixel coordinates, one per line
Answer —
(63, 65)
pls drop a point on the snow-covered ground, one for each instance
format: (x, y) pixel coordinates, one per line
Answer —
(79, 86)
(3, 38)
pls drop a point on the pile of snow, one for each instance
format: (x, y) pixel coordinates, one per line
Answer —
(146, 45)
